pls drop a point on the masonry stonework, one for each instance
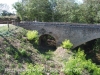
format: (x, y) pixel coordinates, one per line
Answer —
(76, 33)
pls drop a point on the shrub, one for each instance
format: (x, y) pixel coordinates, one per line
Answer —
(10, 50)
(23, 53)
(24, 32)
(2, 66)
(33, 70)
(5, 42)
(67, 44)
(48, 55)
(20, 65)
(32, 35)
(16, 56)
(77, 64)
(97, 45)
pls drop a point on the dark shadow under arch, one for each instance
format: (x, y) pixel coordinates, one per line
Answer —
(89, 50)
(47, 41)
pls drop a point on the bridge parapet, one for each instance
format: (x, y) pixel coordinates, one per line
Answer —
(60, 24)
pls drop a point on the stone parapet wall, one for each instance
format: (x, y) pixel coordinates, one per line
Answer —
(59, 24)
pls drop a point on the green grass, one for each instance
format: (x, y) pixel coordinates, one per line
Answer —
(5, 27)
(48, 55)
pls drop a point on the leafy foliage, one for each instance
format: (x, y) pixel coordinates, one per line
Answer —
(32, 35)
(33, 10)
(48, 55)
(77, 64)
(51, 10)
(67, 44)
(2, 66)
(97, 45)
(20, 11)
(10, 50)
(16, 56)
(33, 70)
(23, 53)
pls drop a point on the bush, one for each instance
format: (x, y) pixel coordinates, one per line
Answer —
(78, 63)
(10, 50)
(33, 70)
(24, 32)
(48, 55)
(97, 45)
(67, 44)
(16, 56)
(23, 53)
(2, 66)
(32, 35)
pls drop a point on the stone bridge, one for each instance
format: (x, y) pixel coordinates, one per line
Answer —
(77, 33)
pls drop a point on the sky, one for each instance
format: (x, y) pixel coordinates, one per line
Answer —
(10, 2)
(79, 1)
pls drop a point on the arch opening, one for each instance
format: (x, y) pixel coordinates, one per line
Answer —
(92, 50)
(47, 41)
(87, 46)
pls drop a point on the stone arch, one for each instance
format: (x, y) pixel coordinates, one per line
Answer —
(89, 38)
(47, 40)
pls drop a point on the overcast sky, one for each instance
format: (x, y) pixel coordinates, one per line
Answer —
(10, 2)
(80, 1)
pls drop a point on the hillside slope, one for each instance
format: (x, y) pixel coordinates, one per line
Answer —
(17, 53)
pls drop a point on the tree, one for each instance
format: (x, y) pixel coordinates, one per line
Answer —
(34, 10)
(67, 9)
(59, 10)
(20, 9)
(4, 8)
(91, 10)
(4, 13)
